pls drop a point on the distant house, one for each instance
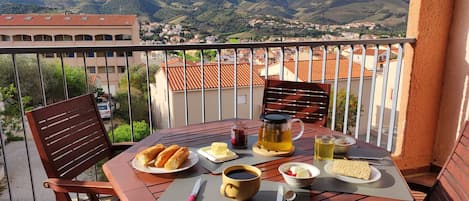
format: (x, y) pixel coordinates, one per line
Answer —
(28, 30)
(176, 111)
(329, 75)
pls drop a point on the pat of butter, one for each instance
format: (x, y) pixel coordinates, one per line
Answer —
(219, 148)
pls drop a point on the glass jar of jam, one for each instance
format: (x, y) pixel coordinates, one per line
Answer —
(239, 137)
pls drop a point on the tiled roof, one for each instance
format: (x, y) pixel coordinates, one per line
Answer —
(303, 66)
(66, 20)
(176, 77)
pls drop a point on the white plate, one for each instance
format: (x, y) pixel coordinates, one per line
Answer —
(207, 153)
(375, 175)
(191, 161)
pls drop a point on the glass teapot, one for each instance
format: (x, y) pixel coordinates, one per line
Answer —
(275, 133)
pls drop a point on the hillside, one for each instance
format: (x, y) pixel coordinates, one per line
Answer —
(227, 17)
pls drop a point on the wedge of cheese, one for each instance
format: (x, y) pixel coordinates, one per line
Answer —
(357, 169)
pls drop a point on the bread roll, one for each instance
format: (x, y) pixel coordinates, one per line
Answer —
(357, 169)
(165, 155)
(148, 154)
(177, 159)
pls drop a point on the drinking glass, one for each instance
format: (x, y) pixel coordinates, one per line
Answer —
(324, 147)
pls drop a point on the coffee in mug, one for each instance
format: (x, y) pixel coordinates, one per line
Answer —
(240, 182)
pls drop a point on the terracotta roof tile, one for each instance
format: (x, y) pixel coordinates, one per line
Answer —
(316, 71)
(66, 20)
(176, 76)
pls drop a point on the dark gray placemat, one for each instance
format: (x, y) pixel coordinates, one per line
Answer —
(246, 156)
(181, 188)
(390, 185)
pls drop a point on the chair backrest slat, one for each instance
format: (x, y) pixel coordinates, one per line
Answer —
(70, 136)
(306, 101)
(453, 181)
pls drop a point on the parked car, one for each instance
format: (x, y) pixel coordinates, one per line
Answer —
(105, 110)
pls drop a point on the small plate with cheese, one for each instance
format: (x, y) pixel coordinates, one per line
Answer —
(358, 172)
(218, 152)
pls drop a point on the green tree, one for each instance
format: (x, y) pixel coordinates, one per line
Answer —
(123, 132)
(28, 73)
(11, 113)
(340, 110)
(139, 92)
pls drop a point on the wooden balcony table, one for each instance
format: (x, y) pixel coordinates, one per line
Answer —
(133, 185)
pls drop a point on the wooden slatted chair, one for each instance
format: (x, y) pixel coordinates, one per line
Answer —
(70, 137)
(452, 182)
(306, 101)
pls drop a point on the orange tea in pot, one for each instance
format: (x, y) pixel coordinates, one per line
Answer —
(275, 133)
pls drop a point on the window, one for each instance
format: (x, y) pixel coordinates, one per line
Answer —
(123, 37)
(100, 54)
(101, 69)
(121, 54)
(48, 55)
(91, 69)
(68, 54)
(83, 37)
(90, 54)
(4, 38)
(103, 37)
(63, 38)
(121, 69)
(42, 37)
(111, 69)
(108, 54)
(22, 38)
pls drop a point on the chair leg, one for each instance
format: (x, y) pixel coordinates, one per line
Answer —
(92, 197)
(62, 197)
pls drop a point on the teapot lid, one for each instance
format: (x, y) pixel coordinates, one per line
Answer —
(276, 118)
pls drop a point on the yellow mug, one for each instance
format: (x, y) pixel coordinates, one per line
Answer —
(240, 182)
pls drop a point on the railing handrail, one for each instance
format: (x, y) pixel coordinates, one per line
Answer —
(87, 48)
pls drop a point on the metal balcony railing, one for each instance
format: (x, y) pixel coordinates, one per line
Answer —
(369, 80)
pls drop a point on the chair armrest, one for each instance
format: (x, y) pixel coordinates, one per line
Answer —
(66, 185)
(120, 146)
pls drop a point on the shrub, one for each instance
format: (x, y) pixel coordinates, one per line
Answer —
(123, 132)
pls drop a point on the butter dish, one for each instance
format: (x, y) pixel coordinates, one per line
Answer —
(207, 153)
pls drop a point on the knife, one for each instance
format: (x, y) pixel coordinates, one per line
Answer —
(280, 193)
(195, 190)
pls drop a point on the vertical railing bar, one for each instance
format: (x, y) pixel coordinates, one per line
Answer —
(266, 76)
(347, 97)
(219, 83)
(251, 104)
(110, 94)
(150, 111)
(235, 84)
(88, 91)
(41, 79)
(395, 93)
(324, 59)
(383, 95)
(334, 101)
(86, 73)
(129, 98)
(186, 102)
(5, 168)
(64, 78)
(167, 87)
(372, 94)
(202, 84)
(20, 101)
(310, 64)
(282, 62)
(297, 56)
(360, 91)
